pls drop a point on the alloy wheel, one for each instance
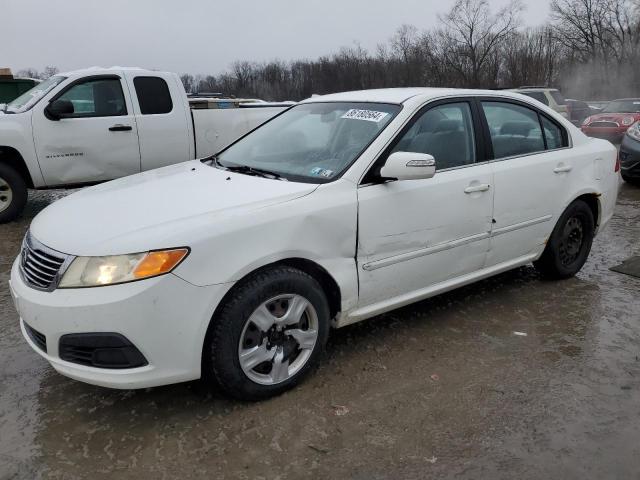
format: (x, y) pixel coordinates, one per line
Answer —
(6, 194)
(278, 338)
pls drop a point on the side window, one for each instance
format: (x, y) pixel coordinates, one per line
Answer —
(446, 132)
(515, 130)
(540, 96)
(153, 95)
(96, 98)
(553, 134)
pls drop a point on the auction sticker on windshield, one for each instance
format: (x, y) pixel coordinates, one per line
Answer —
(368, 115)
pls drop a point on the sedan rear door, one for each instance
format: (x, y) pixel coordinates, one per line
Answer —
(532, 169)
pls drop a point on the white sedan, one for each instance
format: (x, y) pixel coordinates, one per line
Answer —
(234, 268)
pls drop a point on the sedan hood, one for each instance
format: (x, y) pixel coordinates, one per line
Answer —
(140, 212)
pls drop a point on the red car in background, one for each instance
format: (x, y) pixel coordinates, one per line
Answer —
(614, 120)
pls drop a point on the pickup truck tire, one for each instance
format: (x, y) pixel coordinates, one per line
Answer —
(268, 334)
(13, 193)
(569, 244)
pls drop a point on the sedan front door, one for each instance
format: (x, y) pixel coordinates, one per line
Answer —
(416, 234)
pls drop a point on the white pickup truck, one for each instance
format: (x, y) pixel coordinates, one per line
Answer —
(98, 124)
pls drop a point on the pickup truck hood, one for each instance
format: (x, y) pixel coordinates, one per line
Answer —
(143, 211)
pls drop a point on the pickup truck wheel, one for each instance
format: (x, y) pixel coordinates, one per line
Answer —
(569, 244)
(13, 193)
(268, 335)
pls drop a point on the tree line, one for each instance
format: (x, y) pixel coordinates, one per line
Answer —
(588, 48)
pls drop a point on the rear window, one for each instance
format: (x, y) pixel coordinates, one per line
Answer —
(153, 95)
(517, 130)
(557, 96)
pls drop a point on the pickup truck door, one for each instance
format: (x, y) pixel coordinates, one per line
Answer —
(414, 234)
(164, 119)
(97, 142)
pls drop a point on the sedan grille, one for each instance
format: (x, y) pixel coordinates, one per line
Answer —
(41, 266)
(604, 124)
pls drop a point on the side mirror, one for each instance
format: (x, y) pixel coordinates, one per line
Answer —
(409, 166)
(59, 109)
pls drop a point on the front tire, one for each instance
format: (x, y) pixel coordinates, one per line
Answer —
(268, 334)
(569, 244)
(13, 193)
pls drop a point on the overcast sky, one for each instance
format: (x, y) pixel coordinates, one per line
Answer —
(204, 36)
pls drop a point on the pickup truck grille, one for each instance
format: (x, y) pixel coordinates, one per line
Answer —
(41, 267)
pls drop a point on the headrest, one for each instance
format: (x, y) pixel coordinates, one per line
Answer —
(516, 128)
(449, 125)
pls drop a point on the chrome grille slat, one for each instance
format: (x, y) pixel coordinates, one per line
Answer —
(41, 267)
(34, 280)
(57, 262)
(32, 265)
(32, 259)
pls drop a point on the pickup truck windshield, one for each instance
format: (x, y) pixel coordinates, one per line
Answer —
(29, 98)
(313, 142)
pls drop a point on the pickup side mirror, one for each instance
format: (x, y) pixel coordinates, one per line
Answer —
(409, 166)
(59, 109)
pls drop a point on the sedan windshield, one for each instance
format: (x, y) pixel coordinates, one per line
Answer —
(623, 106)
(29, 98)
(312, 142)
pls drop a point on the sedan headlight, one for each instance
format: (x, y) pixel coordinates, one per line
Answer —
(634, 131)
(626, 121)
(586, 121)
(111, 270)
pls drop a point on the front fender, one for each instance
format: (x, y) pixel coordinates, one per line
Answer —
(16, 135)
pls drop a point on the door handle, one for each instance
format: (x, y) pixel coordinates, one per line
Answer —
(562, 169)
(120, 128)
(483, 187)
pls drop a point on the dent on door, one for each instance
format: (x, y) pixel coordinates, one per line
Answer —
(416, 233)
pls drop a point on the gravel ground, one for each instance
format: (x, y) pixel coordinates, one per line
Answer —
(444, 388)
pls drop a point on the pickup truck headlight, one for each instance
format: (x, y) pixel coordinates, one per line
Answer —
(111, 270)
(634, 131)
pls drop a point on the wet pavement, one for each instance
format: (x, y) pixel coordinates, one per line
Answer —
(440, 389)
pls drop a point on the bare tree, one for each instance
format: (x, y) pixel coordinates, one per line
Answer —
(472, 34)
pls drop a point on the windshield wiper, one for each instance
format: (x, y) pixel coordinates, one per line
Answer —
(247, 170)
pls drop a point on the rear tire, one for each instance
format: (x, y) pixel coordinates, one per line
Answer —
(268, 334)
(13, 193)
(569, 244)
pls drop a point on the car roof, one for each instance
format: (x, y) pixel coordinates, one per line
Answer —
(534, 89)
(401, 95)
(102, 70)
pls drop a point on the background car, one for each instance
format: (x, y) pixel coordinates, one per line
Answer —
(630, 155)
(614, 120)
(579, 111)
(550, 97)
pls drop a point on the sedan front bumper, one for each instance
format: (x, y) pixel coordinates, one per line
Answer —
(165, 318)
